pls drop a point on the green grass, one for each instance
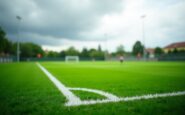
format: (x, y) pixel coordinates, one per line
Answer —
(24, 88)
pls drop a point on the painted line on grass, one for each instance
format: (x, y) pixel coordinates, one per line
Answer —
(73, 100)
(63, 89)
(106, 94)
(132, 98)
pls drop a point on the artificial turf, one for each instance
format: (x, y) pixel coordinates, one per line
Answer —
(24, 88)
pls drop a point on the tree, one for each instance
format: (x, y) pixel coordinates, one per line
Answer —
(2, 40)
(169, 52)
(27, 49)
(99, 48)
(37, 50)
(85, 52)
(52, 54)
(72, 51)
(62, 54)
(92, 53)
(120, 50)
(175, 51)
(96, 54)
(158, 51)
(138, 48)
(30, 50)
(5, 44)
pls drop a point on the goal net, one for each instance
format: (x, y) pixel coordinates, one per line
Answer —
(71, 59)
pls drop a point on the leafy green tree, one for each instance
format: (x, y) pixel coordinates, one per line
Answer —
(169, 52)
(175, 51)
(72, 51)
(52, 54)
(37, 50)
(138, 48)
(100, 53)
(5, 44)
(2, 40)
(14, 49)
(62, 54)
(92, 53)
(182, 51)
(30, 50)
(96, 54)
(99, 48)
(84, 53)
(120, 50)
(158, 51)
(26, 50)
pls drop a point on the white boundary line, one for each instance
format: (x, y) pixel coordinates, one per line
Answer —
(73, 100)
(106, 94)
(63, 89)
(132, 98)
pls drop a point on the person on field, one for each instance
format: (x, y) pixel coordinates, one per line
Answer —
(138, 56)
(121, 59)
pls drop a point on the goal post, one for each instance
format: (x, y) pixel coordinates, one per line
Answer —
(72, 59)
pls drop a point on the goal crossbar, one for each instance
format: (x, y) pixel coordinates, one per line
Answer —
(72, 58)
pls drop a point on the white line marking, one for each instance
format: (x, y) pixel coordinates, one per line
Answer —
(106, 94)
(133, 98)
(73, 100)
(63, 89)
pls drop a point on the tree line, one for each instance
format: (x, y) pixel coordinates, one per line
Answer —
(31, 50)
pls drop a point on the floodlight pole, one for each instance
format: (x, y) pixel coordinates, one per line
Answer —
(106, 50)
(18, 44)
(143, 31)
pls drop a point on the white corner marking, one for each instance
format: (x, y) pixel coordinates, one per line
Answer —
(73, 100)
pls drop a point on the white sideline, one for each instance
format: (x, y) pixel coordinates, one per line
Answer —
(73, 100)
(108, 95)
(63, 89)
(133, 98)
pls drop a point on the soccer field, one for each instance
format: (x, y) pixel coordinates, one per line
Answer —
(26, 89)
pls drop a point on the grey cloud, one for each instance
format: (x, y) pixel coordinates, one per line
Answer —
(36, 38)
(162, 4)
(57, 18)
(168, 26)
(48, 22)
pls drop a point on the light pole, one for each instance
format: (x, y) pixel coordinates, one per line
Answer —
(143, 31)
(18, 44)
(106, 50)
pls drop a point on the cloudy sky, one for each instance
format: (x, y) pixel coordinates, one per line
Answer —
(58, 24)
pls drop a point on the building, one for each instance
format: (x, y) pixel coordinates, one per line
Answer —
(171, 47)
(150, 52)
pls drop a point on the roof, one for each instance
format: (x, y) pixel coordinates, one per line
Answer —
(150, 50)
(175, 45)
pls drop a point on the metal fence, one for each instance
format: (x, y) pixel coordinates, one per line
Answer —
(172, 57)
(165, 57)
(6, 59)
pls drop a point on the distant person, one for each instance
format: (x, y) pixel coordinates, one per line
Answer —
(121, 59)
(138, 56)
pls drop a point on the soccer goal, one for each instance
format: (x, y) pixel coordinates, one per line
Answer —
(71, 59)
